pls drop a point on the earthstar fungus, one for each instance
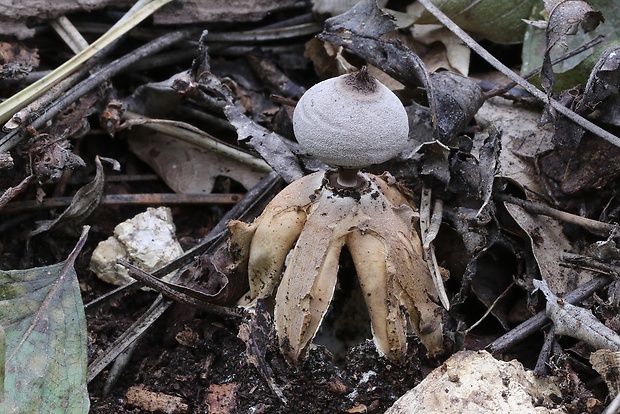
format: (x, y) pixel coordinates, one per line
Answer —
(314, 217)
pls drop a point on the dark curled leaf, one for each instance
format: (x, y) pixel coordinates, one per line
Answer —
(391, 56)
(363, 19)
(457, 100)
(157, 99)
(435, 165)
(565, 18)
(489, 164)
(212, 280)
(603, 83)
(466, 176)
(604, 80)
(84, 202)
(567, 134)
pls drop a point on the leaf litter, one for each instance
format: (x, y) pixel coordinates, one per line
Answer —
(464, 152)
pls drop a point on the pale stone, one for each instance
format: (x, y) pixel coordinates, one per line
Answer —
(147, 241)
(475, 382)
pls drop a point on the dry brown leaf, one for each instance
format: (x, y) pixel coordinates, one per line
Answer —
(446, 50)
(84, 202)
(548, 241)
(522, 140)
(186, 168)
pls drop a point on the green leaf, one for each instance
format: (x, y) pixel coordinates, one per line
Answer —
(575, 70)
(43, 317)
(497, 20)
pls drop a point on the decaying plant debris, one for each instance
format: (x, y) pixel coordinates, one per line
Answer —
(516, 190)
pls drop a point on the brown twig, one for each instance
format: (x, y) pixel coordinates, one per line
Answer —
(595, 226)
(545, 353)
(170, 292)
(126, 199)
(11, 192)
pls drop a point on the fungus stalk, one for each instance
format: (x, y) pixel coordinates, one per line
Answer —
(348, 177)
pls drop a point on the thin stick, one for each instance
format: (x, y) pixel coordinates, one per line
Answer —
(67, 31)
(503, 89)
(263, 35)
(168, 290)
(127, 199)
(11, 192)
(490, 308)
(595, 226)
(545, 353)
(590, 263)
(595, 129)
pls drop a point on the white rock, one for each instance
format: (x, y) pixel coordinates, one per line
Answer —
(147, 241)
(475, 382)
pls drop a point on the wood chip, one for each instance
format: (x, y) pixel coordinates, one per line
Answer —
(152, 402)
(221, 398)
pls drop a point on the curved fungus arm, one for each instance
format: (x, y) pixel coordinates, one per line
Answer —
(408, 275)
(305, 293)
(308, 283)
(274, 237)
(389, 328)
(418, 293)
(262, 246)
